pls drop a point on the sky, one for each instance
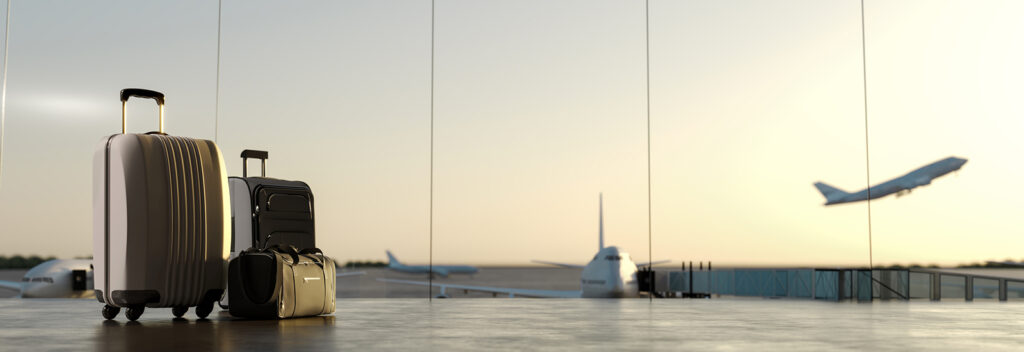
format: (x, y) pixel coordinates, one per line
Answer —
(539, 106)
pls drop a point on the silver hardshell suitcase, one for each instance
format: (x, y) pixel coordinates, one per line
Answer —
(160, 216)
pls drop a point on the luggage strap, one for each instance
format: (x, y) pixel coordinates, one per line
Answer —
(315, 254)
(289, 250)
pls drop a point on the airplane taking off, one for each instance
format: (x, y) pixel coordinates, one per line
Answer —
(611, 274)
(58, 278)
(900, 185)
(439, 270)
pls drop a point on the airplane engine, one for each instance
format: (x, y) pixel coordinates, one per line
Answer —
(79, 280)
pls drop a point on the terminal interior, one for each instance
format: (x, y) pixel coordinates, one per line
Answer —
(486, 136)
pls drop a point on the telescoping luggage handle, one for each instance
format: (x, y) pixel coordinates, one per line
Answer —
(141, 93)
(255, 154)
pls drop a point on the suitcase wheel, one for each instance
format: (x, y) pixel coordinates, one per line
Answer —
(179, 311)
(204, 309)
(110, 312)
(133, 313)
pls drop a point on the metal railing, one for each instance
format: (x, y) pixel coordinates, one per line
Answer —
(841, 284)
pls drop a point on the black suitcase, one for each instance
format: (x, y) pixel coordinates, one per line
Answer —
(267, 211)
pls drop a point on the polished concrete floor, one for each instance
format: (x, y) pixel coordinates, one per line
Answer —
(531, 324)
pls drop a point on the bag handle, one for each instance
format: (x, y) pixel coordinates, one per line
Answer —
(314, 252)
(141, 93)
(290, 250)
(255, 154)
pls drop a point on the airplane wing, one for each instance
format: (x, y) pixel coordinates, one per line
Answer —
(351, 273)
(654, 262)
(574, 266)
(511, 292)
(10, 285)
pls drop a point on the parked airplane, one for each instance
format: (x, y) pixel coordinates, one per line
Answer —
(58, 278)
(439, 270)
(611, 274)
(900, 185)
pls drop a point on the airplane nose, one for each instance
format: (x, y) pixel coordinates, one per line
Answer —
(618, 290)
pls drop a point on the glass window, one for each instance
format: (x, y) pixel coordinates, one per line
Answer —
(1014, 290)
(986, 289)
(953, 286)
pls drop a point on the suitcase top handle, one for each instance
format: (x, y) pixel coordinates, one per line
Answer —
(141, 93)
(255, 154)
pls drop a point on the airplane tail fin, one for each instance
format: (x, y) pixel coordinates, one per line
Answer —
(831, 193)
(392, 261)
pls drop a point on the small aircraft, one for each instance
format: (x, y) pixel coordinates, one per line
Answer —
(900, 186)
(58, 278)
(610, 274)
(439, 270)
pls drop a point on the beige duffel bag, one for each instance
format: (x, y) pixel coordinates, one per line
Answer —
(281, 282)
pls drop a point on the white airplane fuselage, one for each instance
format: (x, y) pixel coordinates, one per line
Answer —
(904, 184)
(439, 270)
(611, 274)
(54, 279)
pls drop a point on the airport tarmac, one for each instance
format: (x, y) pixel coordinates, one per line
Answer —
(531, 324)
(543, 278)
(525, 324)
(530, 277)
(367, 286)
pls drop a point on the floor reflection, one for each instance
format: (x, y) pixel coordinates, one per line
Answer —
(220, 332)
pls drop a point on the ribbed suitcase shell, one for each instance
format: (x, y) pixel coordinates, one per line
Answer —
(160, 219)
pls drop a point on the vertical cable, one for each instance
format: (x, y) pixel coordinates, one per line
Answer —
(3, 95)
(216, 99)
(867, 152)
(647, 39)
(430, 288)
